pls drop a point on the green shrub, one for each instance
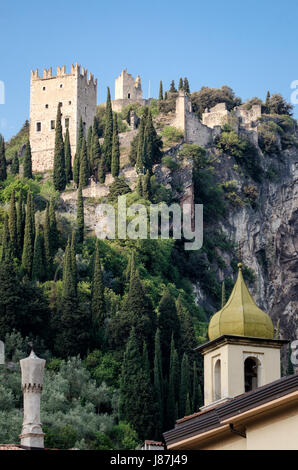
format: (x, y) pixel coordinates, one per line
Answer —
(209, 97)
(15, 143)
(170, 163)
(18, 185)
(171, 134)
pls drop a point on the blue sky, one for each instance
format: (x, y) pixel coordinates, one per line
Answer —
(250, 46)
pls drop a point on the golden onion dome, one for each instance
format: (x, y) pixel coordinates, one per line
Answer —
(241, 316)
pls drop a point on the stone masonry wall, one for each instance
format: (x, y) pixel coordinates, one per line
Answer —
(126, 87)
(78, 95)
(194, 131)
(216, 116)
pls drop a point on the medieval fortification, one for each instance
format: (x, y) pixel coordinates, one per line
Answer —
(76, 92)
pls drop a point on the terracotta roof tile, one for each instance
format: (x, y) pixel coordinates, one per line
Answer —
(10, 447)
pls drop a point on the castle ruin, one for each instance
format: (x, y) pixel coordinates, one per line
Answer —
(77, 94)
(127, 91)
(203, 132)
(195, 132)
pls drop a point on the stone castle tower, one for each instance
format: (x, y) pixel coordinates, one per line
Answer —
(127, 88)
(127, 91)
(77, 94)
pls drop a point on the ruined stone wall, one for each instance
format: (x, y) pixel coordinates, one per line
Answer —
(126, 87)
(118, 105)
(216, 116)
(194, 131)
(78, 96)
(248, 117)
(219, 115)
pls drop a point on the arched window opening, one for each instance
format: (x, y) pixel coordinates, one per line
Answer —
(250, 374)
(217, 380)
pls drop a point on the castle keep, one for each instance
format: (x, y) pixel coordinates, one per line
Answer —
(127, 91)
(77, 94)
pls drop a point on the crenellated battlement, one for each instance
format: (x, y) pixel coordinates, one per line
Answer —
(75, 70)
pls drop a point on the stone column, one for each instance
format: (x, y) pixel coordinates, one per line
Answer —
(32, 379)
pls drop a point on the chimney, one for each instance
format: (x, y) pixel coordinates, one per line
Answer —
(32, 369)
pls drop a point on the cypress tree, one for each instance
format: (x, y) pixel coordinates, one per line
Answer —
(80, 216)
(15, 165)
(160, 96)
(267, 102)
(188, 337)
(31, 208)
(149, 143)
(187, 406)
(115, 166)
(180, 86)
(28, 161)
(68, 288)
(158, 381)
(145, 359)
(174, 384)
(67, 158)
(10, 295)
(101, 170)
(74, 260)
(131, 268)
(3, 164)
(74, 325)
(146, 193)
(184, 385)
(166, 95)
(20, 224)
(84, 166)
(5, 239)
(97, 293)
(54, 234)
(76, 163)
(95, 130)
(186, 86)
(96, 150)
(27, 256)
(48, 251)
(108, 134)
(196, 395)
(59, 177)
(140, 186)
(89, 145)
(13, 231)
(172, 87)
(38, 269)
(152, 144)
(140, 161)
(136, 311)
(136, 404)
(168, 323)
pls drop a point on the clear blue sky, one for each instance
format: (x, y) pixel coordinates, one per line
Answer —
(250, 46)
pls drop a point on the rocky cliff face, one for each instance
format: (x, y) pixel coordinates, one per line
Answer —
(268, 236)
(266, 231)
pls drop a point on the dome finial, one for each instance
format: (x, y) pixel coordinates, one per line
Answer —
(240, 315)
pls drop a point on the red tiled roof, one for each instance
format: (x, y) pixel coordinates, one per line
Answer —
(10, 447)
(153, 443)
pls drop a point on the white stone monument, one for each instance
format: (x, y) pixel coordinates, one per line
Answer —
(32, 379)
(2, 353)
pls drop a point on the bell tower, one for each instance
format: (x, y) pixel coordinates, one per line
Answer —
(242, 353)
